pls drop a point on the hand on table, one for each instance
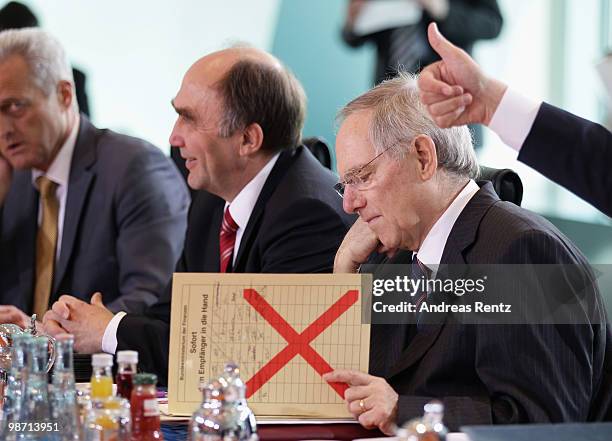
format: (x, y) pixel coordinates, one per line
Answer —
(86, 321)
(14, 315)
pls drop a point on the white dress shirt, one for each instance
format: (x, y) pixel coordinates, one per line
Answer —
(514, 117)
(240, 208)
(59, 172)
(430, 252)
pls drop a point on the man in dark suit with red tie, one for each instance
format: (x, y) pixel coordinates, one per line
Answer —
(268, 205)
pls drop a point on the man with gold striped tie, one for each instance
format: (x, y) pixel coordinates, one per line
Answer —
(81, 209)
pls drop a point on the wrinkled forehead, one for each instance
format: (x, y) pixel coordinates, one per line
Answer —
(354, 148)
(15, 77)
(197, 99)
(199, 88)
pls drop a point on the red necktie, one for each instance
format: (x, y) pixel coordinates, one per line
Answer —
(227, 239)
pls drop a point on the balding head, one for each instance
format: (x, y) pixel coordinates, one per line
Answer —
(254, 87)
(236, 109)
(213, 67)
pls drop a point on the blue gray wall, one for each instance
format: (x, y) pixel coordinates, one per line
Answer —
(308, 40)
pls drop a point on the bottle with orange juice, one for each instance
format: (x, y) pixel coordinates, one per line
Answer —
(109, 416)
(101, 377)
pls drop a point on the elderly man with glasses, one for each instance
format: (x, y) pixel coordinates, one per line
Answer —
(413, 186)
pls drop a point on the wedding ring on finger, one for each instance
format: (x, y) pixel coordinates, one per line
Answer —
(362, 406)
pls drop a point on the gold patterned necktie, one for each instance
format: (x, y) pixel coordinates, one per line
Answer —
(46, 242)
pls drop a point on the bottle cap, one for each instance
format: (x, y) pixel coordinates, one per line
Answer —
(21, 338)
(234, 388)
(213, 391)
(144, 379)
(434, 406)
(65, 337)
(127, 357)
(101, 360)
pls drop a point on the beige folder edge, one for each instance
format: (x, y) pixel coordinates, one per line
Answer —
(218, 318)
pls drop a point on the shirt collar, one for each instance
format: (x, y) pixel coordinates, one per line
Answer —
(430, 252)
(242, 205)
(59, 170)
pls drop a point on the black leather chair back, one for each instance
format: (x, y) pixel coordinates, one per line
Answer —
(319, 147)
(506, 182)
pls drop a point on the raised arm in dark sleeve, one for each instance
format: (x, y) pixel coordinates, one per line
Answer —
(573, 152)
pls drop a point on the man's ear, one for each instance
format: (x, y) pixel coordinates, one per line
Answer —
(65, 93)
(427, 156)
(252, 139)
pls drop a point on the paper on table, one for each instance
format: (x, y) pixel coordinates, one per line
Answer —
(166, 416)
(248, 319)
(263, 421)
(379, 15)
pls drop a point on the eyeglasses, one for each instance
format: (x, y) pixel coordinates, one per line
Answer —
(357, 178)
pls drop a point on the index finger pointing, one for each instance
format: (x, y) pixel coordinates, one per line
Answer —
(353, 378)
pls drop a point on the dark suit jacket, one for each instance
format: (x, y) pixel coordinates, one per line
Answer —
(497, 373)
(573, 152)
(125, 221)
(467, 22)
(296, 226)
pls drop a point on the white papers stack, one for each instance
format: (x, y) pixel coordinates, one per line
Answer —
(379, 15)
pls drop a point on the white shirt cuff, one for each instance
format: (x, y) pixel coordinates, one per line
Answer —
(109, 340)
(514, 117)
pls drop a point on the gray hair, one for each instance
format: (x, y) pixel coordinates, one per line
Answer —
(399, 116)
(43, 54)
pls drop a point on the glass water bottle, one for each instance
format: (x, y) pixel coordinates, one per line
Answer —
(35, 415)
(63, 393)
(13, 398)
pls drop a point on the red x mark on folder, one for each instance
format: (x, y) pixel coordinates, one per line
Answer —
(298, 343)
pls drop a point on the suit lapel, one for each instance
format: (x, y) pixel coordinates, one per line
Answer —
(211, 263)
(26, 213)
(465, 229)
(462, 235)
(283, 163)
(81, 179)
